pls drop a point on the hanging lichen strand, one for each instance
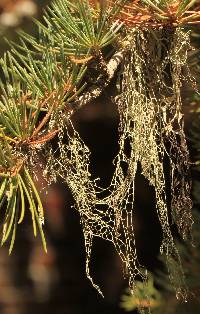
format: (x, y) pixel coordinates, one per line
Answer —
(151, 130)
(152, 123)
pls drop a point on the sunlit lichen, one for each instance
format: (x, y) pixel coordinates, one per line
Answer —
(150, 132)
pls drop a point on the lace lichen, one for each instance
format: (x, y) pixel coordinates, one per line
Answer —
(150, 130)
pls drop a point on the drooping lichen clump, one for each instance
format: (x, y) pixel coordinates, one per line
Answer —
(150, 130)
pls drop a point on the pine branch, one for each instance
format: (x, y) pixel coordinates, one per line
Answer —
(96, 90)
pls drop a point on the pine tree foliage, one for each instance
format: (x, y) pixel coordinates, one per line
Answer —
(79, 48)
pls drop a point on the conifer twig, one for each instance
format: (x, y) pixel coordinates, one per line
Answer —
(97, 89)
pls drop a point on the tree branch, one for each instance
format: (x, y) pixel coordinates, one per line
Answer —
(96, 90)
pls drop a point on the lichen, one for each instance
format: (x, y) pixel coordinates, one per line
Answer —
(151, 131)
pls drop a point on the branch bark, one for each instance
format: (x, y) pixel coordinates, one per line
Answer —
(96, 90)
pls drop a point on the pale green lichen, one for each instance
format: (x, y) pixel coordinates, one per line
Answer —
(150, 131)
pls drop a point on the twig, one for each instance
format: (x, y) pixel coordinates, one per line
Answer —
(95, 91)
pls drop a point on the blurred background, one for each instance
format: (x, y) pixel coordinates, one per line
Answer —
(32, 281)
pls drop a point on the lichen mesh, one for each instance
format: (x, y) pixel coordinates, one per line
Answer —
(150, 130)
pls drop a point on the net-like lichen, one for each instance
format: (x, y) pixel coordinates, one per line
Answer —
(151, 130)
